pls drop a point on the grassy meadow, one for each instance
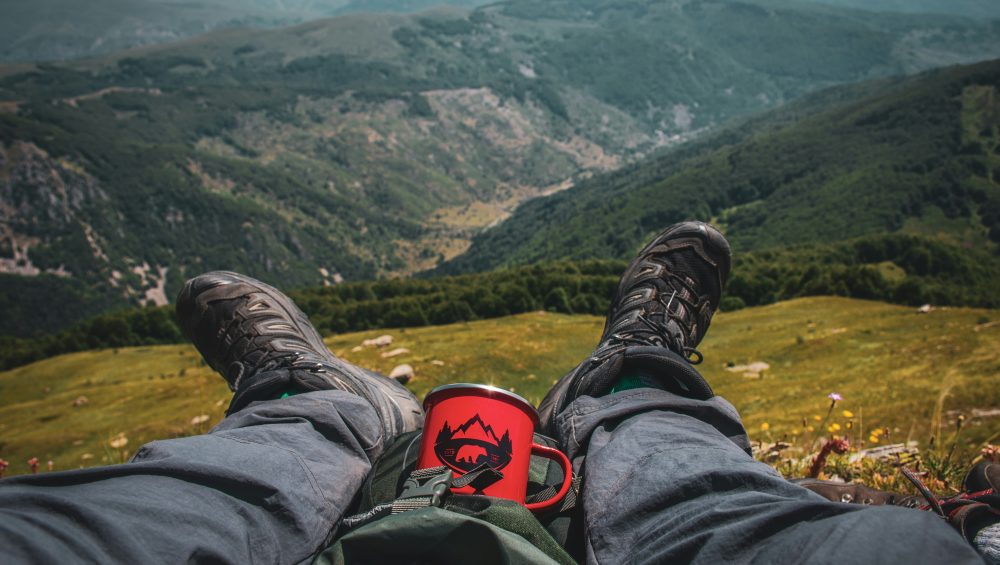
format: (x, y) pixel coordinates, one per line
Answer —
(903, 375)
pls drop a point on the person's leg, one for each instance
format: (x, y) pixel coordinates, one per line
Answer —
(668, 476)
(669, 479)
(269, 484)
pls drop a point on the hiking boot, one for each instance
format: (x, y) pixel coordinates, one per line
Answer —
(979, 504)
(859, 494)
(658, 316)
(968, 512)
(247, 331)
(984, 476)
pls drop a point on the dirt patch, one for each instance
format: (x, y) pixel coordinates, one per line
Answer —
(208, 181)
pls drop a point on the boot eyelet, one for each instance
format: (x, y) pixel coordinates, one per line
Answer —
(846, 497)
(868, 502)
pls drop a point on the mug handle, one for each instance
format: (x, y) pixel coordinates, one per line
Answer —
(563, 461)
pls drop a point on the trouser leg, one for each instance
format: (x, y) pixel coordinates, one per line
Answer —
(669, 479)
(267, 485)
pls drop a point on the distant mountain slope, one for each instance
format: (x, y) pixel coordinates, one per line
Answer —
(919, 156)
(46, 30)
(969, 8)
(374, 145)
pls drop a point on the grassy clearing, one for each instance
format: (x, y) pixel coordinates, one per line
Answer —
(910, 373)
(895, 368)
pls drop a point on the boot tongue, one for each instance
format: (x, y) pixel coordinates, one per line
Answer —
(701, 274)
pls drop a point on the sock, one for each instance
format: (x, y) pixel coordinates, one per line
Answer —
(630, 381)
(290, 392)
(987, 542)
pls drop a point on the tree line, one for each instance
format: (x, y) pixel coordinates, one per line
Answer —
(892, 268)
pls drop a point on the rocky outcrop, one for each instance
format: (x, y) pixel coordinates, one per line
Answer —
(41, 199)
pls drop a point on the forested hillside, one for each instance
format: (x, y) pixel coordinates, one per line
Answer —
(892, 268)
(919, 156)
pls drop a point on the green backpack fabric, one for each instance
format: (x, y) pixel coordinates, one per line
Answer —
(467, 528)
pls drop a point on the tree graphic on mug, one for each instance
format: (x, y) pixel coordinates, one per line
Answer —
(472, 444)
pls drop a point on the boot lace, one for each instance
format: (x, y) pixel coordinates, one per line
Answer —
(272, 360)
(657, 331)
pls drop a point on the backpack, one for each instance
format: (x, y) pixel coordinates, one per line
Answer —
(454, 528)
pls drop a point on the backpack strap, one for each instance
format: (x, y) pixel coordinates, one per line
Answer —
(569, 501)
(423, 488)
(428, 487)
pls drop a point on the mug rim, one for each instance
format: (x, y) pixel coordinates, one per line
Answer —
(493, 392)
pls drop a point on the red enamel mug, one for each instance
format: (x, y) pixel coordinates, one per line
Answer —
(467, 425)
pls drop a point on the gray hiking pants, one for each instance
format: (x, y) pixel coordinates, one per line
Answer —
(666, 479)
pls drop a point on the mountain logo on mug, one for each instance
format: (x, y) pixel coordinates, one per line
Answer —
(472, 444)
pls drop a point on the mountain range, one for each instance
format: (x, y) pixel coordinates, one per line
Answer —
(474, 428)
(46, 30)
(374, 145)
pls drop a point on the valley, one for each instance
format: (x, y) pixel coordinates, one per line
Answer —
(913, 156)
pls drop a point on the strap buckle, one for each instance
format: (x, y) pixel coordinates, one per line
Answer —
(433, 486)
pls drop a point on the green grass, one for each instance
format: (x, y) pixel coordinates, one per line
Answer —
(892, 365)
(895, 368)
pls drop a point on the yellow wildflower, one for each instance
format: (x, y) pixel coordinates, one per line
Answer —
(765, 426)
(873, 439)
(848, 414)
